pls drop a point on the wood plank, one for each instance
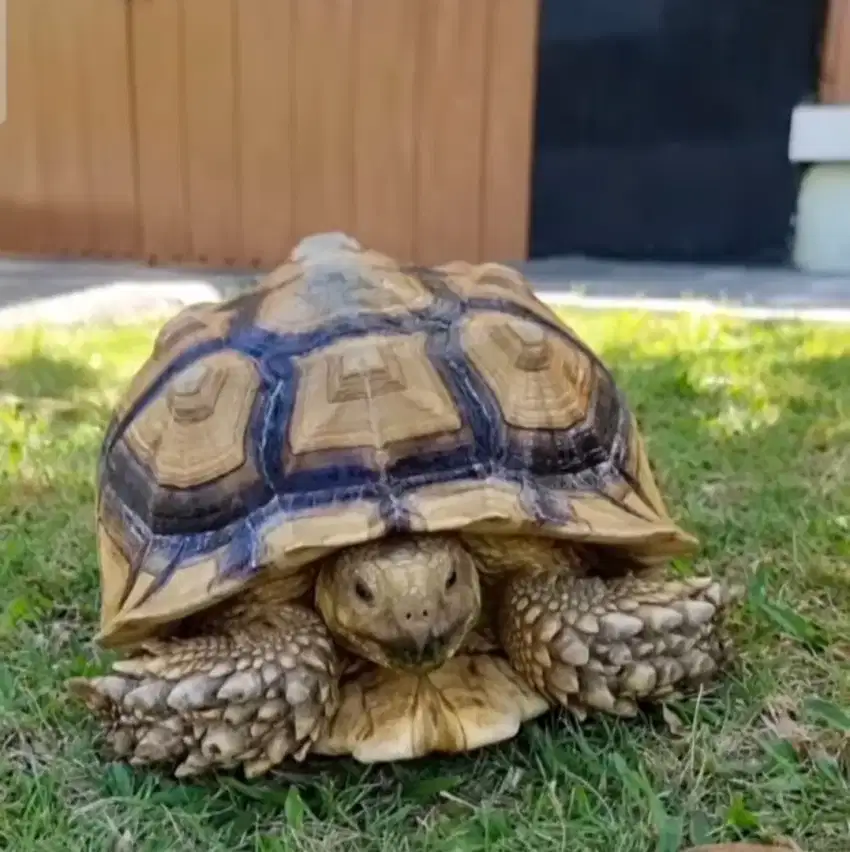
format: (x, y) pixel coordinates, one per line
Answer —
(211, 130)
(4, 15)
(451, 105)
(385, 124)
(835, 64)
(106, 82)
(508, 133)
(157, 28)
(323, 116)
(23, 221)
(265, 92)
(64, 134)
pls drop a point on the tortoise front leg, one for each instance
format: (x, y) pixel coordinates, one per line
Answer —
(590, 643)
(250, 694)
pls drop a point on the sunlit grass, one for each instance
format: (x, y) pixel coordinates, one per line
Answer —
(748, 427)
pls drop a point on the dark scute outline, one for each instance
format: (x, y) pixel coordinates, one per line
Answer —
(285, 494)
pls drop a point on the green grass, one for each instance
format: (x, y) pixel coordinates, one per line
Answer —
(748, 426)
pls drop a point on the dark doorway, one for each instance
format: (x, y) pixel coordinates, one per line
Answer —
(662, 127)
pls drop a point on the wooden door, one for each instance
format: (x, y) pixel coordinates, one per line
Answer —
(67, 151)
(219, 132)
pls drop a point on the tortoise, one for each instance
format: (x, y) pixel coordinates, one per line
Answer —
(381, 510)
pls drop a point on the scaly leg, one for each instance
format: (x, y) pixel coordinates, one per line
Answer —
(249, 693)
(590, 643)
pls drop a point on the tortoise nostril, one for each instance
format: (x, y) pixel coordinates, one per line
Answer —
(408, 616)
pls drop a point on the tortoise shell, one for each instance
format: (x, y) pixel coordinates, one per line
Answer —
(347, 397)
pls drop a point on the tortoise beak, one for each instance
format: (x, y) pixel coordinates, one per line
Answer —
(421, 650)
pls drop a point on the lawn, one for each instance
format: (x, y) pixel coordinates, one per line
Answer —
(748, 426)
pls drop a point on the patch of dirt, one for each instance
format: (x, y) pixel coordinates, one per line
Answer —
(781, 720)
(785, 846)
(27, 751)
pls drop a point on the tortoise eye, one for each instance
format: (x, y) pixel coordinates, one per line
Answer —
(363, 592)
(452, 579)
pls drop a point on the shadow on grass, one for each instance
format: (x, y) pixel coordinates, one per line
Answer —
(48, 392)
(39, 376)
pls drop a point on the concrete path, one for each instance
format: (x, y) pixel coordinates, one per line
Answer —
(66, 292)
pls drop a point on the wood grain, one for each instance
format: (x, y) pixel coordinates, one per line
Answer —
(266, 121)
(385, 125)
(211, 130)
(324, 111)
(159, 86)
(222, 131)
(835, 62)
(23, 218)
(451, 129)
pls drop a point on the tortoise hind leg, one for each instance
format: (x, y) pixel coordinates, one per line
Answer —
(252, 694)
(590, 643)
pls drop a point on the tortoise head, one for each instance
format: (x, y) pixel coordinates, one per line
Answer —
(405, 603)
